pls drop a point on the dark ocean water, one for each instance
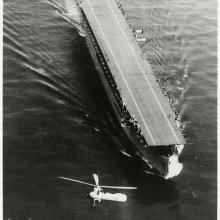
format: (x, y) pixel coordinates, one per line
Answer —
(52, 94)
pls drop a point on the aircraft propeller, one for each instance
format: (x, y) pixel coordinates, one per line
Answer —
(96, 178)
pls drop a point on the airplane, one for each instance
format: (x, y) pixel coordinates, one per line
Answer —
(98, 193)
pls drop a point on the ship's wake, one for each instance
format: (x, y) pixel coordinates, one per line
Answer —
(72, 14)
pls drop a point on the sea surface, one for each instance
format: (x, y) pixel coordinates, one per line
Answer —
(58, 122)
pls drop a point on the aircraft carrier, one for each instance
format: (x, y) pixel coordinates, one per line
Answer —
(143, 112)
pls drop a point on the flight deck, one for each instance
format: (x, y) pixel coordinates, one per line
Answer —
(132, 73)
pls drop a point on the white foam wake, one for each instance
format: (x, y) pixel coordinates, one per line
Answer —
(174, 167)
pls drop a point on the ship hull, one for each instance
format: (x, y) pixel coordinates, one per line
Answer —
(152, 162)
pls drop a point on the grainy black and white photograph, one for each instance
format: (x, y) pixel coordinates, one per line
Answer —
(109, 110)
